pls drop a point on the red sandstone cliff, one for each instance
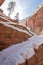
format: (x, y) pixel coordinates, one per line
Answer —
(11, 32)
(13, 35)
(35, 22)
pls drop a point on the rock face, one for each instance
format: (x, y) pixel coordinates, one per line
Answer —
(11, 32)
(39, 21)
(1, 1)
(35, 22)
(9, 36)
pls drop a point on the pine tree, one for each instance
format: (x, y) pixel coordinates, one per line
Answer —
(11, 7)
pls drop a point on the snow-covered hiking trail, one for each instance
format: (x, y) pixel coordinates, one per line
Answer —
(16, 54)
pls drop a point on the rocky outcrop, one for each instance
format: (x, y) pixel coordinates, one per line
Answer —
(11, 32)
(9, 36)
(35, 22)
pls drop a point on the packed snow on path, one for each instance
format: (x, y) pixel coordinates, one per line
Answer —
(16, 54)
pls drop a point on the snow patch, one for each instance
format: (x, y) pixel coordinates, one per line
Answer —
(16, 54)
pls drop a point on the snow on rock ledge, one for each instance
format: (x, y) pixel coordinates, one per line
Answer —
(16, 54)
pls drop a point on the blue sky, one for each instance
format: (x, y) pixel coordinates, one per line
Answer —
(24, 7)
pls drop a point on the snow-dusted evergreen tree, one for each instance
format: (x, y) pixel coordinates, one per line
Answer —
(17, 17)
(11, 7)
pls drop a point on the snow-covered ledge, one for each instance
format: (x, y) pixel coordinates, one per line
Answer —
(16, 54)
